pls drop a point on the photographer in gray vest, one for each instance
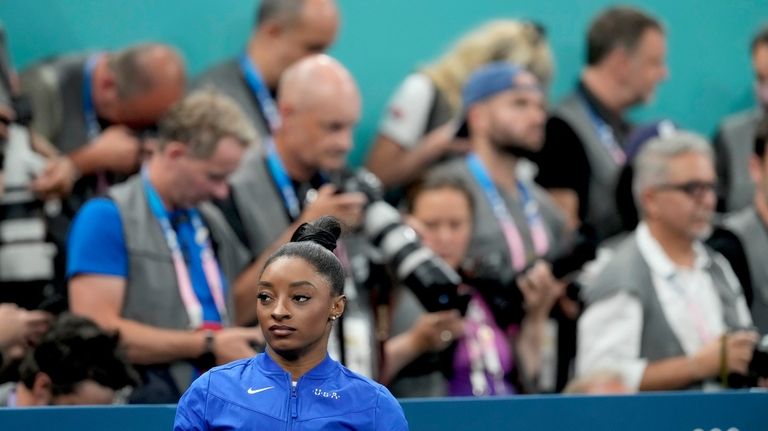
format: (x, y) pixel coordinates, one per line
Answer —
(666, 311)
(743, 236)
(585, 135)
(156, 262)
(733, 142)
(286, 31)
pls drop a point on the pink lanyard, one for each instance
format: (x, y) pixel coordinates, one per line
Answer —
(210, 265)
(517, 254)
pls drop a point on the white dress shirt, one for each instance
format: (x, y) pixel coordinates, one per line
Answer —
(609, 331)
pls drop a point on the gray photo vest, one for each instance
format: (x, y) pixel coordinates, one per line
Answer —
(628, 272)
(738, 135)
(152, 294)
(751, 230)
(604, 172)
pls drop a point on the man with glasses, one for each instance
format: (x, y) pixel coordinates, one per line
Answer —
(666, 311)
(733, 142)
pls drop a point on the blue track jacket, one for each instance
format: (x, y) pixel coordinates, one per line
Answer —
(256, 394)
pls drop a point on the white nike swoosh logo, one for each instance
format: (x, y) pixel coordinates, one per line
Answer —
(252, 391)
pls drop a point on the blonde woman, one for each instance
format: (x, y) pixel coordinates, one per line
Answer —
(416, 130)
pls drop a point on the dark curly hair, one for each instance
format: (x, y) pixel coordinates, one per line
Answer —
(74, 350)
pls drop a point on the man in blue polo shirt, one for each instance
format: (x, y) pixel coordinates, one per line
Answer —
(154, 262)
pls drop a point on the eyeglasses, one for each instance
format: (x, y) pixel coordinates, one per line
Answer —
(694, 189)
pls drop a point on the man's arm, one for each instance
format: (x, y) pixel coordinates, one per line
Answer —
(396, 165)
(100, 298)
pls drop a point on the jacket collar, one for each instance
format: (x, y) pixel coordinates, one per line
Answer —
(322, 370)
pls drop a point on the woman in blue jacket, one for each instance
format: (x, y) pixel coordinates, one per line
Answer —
(294, 385)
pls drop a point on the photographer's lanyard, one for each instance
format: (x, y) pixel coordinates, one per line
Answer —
(283, 181)
(261, 92)
(517, 253)
(484, 355)
(605, 134)
(92, 126)
(209, 265)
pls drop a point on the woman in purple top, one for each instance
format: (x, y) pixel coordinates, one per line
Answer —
(479, 357)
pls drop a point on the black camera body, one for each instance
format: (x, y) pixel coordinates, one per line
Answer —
(758, 367)
(433, 282)
(495, 279)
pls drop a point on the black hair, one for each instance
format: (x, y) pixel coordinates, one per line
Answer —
(617, 26)
(314, 242)
(287, 11)
(761, 137)
(761, 38)
(74, 350)
(436, 182)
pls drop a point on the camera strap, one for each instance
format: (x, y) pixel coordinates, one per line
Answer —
(210, 266)
(260, 91)
(517, 253)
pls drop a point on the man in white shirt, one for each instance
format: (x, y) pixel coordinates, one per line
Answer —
(667, 312)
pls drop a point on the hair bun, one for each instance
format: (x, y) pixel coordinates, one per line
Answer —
(324, 232)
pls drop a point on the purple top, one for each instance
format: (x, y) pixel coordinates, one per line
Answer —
(483, 357)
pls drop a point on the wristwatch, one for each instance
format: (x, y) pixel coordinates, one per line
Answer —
(208, 359)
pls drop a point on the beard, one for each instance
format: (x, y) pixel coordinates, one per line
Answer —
(514, 146)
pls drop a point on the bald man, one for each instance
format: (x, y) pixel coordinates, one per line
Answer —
(285, 184)
(91, 107)
(286, 31)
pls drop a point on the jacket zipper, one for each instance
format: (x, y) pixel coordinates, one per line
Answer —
(293, 405)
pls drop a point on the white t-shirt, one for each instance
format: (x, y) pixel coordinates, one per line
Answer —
(405, 119)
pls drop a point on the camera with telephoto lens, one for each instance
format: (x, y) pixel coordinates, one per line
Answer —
(496, 281)
(432, 280)
(26, 253)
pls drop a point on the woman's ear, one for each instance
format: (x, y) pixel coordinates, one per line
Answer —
(339, 304)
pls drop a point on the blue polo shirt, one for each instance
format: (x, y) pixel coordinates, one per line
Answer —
(96, 245)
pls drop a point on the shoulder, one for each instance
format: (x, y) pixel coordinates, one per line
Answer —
(739, 120)
(416, 84)
(619, 272)
(217, 74)
(455, 166)
(98, 212)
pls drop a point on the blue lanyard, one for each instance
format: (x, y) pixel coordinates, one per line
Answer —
(92, 127)
(505, 219)
(605, 134)
(260, 91)
(283, 181)
(210, 266)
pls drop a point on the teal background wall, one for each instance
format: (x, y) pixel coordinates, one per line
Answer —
(382, 40)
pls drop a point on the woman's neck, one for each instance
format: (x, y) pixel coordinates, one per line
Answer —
(300, 365)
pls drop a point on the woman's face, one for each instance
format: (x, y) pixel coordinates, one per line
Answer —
(295, 306)
(446, 216)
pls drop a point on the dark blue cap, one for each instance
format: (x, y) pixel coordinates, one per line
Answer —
(484, 82)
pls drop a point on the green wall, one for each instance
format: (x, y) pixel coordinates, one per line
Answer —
(382, 40)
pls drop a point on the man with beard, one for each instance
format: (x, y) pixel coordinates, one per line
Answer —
(517, 225)
(667, 311)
